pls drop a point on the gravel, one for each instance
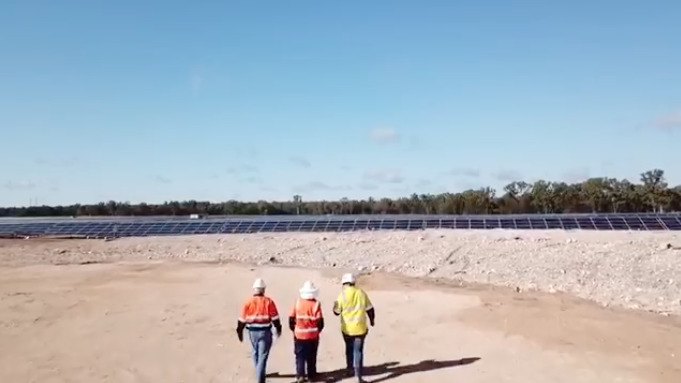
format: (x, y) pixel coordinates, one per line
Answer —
(636, 270)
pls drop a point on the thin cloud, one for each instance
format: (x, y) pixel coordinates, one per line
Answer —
(415, 143)
(384, 135)
(367, 186)
(669, 122)
(162, 180)
(56, 162)
(300, 161)
(18, 185)
(424, 183)
(311, 186)
(318, 186)
(464, 172)
(242, 169)
(388, 176)
(252, 180)
(250, 168)
(508, 175)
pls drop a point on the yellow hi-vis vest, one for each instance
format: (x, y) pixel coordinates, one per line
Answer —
(353, 303)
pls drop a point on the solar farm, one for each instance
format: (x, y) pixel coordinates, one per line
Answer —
(106, 227)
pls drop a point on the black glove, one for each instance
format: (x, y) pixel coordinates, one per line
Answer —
(240, 336)
(372, 323)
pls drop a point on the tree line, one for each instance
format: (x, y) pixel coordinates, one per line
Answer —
(594, 195)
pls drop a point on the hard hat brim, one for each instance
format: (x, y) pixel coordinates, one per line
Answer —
(308, 293)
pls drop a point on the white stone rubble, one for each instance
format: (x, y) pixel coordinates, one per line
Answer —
(628, 269)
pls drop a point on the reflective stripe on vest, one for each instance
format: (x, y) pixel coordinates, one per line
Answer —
(354, 306)
(307, 315)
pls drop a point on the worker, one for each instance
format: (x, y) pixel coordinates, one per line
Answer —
(307, 322)
(258, 315)
(354, 306)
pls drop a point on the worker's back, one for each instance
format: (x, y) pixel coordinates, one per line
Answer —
(353, 303)
(258, 312)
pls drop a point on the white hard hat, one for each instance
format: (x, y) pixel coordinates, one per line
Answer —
(308, 291)
(348, 278)
(259, 284)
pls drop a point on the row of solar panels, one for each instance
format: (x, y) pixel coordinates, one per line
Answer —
(119, 219)
(111, 229)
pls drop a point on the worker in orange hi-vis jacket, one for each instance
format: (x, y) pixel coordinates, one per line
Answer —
(258, 315)
(307, 322)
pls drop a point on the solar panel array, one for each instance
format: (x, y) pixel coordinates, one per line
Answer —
(140, 227)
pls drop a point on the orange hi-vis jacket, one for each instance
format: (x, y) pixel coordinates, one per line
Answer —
(258, 313)
(307, 313)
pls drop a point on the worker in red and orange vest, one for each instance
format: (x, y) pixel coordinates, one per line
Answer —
(258, 315)
(306, 321)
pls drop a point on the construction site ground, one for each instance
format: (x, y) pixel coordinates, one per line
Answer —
(173, 321)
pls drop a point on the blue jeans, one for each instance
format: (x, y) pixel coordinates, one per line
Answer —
(354, 353)
(306, 355)
(261, 342)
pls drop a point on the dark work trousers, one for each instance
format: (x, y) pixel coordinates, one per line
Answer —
(306, 354)
(354, 353)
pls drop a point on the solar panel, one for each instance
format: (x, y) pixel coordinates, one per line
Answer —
(507, 223)
(652, 223)
(447, 224)
(672, 223)
(618, 223)
(538, 223)
(175, 226)
(634, 223)
(523, 224)
(347, 225)
(361, 224)
(585, 224)
(320, 226)
(553, 223)
(433, 224)
(569, 223)
(492, 223)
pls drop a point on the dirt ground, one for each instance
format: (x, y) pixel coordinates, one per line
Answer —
(174, 322)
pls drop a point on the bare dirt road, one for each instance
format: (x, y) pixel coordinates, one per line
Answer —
(174, 322)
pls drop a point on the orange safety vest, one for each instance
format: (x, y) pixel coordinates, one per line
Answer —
(306, 312)
(258, 312)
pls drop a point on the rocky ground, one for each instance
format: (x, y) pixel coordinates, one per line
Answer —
(637, 270)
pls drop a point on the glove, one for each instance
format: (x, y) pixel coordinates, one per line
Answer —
(372, 323)
(240, 336)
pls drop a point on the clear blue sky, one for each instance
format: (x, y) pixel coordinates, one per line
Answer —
(158, 100)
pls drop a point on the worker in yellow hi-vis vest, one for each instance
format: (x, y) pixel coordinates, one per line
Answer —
(353, 306)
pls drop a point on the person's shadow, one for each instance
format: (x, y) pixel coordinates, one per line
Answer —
(391, 370)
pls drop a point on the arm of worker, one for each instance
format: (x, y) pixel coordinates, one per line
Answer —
(240, 330)
(241, 323)
(371, 313)
(292, 319)
(320, 318)
(277, 326)
(274, 317)
(337, 307)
